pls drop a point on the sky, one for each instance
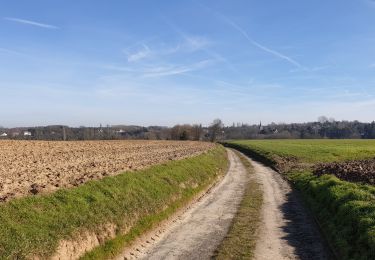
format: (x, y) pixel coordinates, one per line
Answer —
(91, 62)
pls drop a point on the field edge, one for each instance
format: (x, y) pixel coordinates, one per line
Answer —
(345, 211)
(34, 226)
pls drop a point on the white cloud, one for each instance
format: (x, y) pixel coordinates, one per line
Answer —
(174, 70)
(159, 69)
(139, 54)
(194, 43)
(29, 22)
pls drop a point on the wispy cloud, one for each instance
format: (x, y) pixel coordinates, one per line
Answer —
(174, 70)
(313, 69)
(372, 65)
(141, 50)
(159, 70)
(191, 42)
(196, 43)
(138, 54)
(29, 22)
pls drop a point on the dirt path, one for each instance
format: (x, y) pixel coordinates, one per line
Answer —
(199, 231)
(287, 230)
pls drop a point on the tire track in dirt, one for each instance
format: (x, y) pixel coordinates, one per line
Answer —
(287, 231)
(197, 233)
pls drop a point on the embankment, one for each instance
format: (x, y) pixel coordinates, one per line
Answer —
(108, 213)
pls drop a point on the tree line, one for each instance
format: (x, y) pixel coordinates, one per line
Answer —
(322, 128)
(65, 133)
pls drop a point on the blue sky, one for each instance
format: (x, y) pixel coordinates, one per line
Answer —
(142, 62)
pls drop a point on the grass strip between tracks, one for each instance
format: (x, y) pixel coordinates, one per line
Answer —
(133, 201)
(240, 241)
(345, 211)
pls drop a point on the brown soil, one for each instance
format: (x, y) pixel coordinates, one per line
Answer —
(354, 171)
(33, 167)
(287, 164)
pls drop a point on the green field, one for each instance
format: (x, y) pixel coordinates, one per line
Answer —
(312, 151)
(344, 210)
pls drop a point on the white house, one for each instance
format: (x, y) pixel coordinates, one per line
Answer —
(26, 133)
(4, 135)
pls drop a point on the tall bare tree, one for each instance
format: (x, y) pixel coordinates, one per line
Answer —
(215, 129)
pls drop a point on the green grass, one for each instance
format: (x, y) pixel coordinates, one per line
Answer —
(312, 151)
(344, 210)
(240, 241)
(33, 226)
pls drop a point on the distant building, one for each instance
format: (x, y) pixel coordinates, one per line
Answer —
(260, 126)
(261, 129)
(27, 133)
(121, 132)
(4, 135)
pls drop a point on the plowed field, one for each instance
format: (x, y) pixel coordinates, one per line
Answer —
(354, 171)
(32, 167)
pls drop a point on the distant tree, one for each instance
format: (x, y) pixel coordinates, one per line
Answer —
(63, 133)
(197, 132)
(215, 129)
(323, 119)
(182, 132)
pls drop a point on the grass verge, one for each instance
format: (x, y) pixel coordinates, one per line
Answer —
(345, 211)
(135, 201)
(240, 241)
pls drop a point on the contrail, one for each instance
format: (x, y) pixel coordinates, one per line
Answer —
(23, 21)
(260, 46)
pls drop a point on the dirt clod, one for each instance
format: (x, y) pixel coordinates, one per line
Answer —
(35, 189)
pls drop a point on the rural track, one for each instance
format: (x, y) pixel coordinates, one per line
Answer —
(287, 229)
(198, 232)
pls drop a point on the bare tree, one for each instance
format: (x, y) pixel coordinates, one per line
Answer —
(323, 119)
(64, 133)
(197, 132)
(215, 129)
